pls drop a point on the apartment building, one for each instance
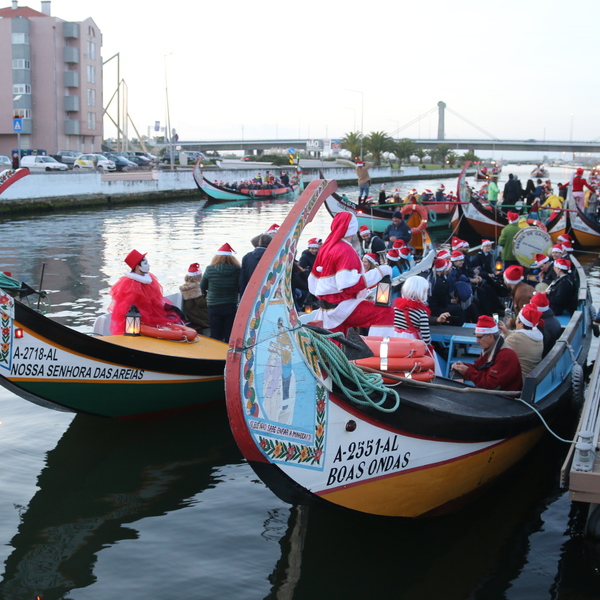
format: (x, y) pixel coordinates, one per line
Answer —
(50, 77)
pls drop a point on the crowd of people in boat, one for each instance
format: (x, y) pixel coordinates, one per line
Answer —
(268, 182)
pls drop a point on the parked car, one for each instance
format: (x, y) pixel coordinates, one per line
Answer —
(194, 156)
(42, 163)
(141, 161)
(146, 154)
(166, 157)
(94, 161)
(5, 163)
(121, 163)
(67, 157)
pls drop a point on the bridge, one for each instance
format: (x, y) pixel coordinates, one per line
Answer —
(493, 143)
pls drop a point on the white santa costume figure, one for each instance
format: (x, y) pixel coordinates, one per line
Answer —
(339, 281)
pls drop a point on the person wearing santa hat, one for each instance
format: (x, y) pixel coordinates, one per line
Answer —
(552, 327)
(364, 179)
(440, 296)
(140, 288)
(484, 261)
(370, 242)
(397, 230)
(273, 229)
(578, 183)
(520, 291)
(340, 283)
(370, 261)
(440, 194)
(498, 367)
(506, 239)
(562, 292)
(526, 340)
(194, 301)
(308, 256)
(546, 273)
(220, 283)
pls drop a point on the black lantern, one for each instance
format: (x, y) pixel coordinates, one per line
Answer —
(133, 321)
(383, 292)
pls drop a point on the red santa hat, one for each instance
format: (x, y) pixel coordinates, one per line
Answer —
(314, 242)
(563, 263)
(530, 315)
(456, 242)
(441, 187)
(194, 270)
(513, 217)
(404, 252)
(443, 253)
(486, 242)
(540, 301)
(486, 324)
(429, 192)
(441, 264)
(513, 274)
(457, 255)
(225, 250)
(413, 191)
(371, 257)
(134, 258)
(540, 259)
(398, 243)
(558, 248)
(393, 254)
(565, 237)
(359, 163)
(363, 230)
(273, 229)
(567, 246)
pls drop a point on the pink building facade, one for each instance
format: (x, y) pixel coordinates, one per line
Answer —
(50, 77)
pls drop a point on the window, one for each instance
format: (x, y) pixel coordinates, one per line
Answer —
(20, 38)
(21, 88)
(22, 113)
(91, 97)
(20, 63)
(91, 74)
(91, 50)
(91, 120)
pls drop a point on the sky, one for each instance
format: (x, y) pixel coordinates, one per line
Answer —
(320, 69)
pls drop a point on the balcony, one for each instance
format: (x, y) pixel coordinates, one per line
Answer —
(72, 103)
(71, 54)
(72, 79)
(72, 127)
(71, 30)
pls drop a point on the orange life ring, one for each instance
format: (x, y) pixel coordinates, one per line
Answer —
(418, 364)
(170, 332)
(536, 223)
(397, 347)
(420, 210)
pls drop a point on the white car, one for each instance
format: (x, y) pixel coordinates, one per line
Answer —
(94, 161)
(5, 163)
(42, 163)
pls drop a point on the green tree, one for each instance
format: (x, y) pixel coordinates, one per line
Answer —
(352, 142)
(433, 155)
(469, 156)
(420, 154)
(442, 152)
(452, 157)
(404, 148)
(378, 142)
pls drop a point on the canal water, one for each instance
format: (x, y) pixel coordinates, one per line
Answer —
(95, 509)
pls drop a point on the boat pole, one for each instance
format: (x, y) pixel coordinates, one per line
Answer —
(40, 286)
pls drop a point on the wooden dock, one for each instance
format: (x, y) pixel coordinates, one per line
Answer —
(580, 472)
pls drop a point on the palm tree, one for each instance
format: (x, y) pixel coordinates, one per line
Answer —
(420, 154)
(469, 156)
(353, 143)
(442, 152)
(378, 142)
(404, 148)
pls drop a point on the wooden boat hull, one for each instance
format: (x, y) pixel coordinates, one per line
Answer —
(116, 376)
(585, 231)
(311, 444)
(9, 177)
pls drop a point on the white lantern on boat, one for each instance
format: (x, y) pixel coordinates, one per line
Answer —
(383, 292)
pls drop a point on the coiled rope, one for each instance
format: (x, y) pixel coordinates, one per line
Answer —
(338, 367)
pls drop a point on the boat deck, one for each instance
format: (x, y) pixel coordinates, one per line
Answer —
(205, 347)
(581, 470)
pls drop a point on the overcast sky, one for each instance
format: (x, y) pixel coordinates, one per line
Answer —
(519, 69)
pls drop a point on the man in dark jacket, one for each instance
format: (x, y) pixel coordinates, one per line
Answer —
(250, 261)
(371, 242)
(397, 230)
(552, 328)
(512, 191)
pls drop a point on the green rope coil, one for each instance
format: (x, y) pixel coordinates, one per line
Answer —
(334, 362)
(8, 283)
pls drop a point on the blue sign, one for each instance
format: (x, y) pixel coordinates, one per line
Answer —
(291, 150)
(18, 125)
(156, 125)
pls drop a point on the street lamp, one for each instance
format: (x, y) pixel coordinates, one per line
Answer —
(169, 134)
(362, 115)
(18, 97)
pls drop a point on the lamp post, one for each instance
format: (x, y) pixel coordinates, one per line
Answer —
(169, 134)
(18, 97)
(362, 115)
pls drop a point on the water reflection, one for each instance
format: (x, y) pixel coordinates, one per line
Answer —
(100, 479)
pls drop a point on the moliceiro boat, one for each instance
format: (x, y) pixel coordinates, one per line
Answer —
(313, 437)
(117, 376)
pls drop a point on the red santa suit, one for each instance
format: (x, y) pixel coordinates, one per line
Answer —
(145, 292)
(339, 281)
